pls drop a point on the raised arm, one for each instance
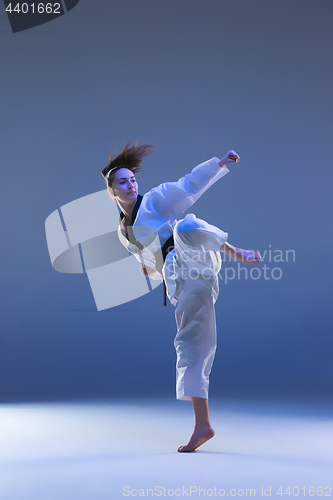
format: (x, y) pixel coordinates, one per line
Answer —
(170, 199)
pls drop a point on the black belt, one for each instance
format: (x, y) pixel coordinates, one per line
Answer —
(168, 246)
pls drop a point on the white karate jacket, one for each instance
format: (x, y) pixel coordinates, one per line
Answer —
(162, 205)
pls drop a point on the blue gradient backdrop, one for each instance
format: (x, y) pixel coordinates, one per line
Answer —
(194, 78)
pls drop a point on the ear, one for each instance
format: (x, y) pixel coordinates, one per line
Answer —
(110, 190)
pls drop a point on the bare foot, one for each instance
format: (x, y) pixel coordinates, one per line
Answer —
(199, 437)
(247, 256)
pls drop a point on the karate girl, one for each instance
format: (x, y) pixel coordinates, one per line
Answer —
(186, 255)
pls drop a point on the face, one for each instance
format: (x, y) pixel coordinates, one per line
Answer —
(124, 187)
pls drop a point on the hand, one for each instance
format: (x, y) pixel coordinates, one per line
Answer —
(149, 271)
(231, 157)
(144, 271)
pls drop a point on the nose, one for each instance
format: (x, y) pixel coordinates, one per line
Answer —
(131, 186)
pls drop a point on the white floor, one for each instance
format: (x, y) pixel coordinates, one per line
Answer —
(110, 451)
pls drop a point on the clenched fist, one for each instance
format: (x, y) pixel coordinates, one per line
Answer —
(230, 157)
(149, 271)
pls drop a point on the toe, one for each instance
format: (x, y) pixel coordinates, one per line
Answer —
(183, 449)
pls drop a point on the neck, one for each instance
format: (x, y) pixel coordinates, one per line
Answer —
(127, 210)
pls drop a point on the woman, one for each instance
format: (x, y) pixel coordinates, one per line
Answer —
(186, 255)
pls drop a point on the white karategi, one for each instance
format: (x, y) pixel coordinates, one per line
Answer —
(190, 270)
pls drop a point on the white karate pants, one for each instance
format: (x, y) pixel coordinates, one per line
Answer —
(192, 283)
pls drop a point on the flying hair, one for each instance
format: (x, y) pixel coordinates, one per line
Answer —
(130, 157)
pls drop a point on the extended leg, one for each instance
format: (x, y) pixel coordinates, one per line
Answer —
(202, 429)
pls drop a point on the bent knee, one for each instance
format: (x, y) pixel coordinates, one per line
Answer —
(186, 226)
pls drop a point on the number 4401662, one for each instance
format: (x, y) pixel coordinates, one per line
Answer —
(40, 8)
(303, 491)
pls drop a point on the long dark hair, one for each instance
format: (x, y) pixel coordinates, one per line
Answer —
(130, 157)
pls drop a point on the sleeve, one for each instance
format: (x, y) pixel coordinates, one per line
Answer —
(170, 199)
